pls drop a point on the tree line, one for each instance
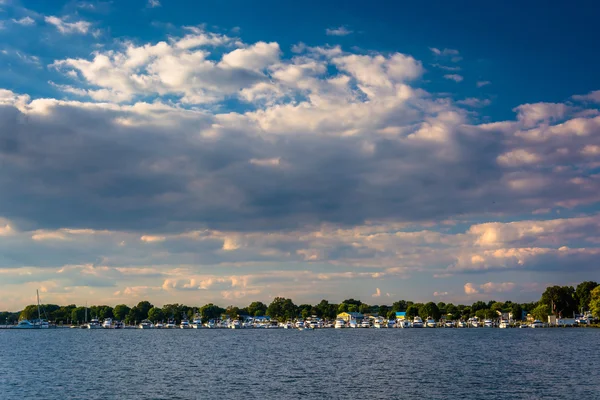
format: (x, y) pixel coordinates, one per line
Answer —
(556, 300)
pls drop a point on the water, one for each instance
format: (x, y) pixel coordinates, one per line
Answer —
(327, 363)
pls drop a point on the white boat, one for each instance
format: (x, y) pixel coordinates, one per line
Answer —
(145, 324)
(404, 323)
(504, 324)
(536, 324)
(299, 324)
(353, 324)
(185, 324)
(159, 325)
(339, 324)
(210, 324)
(197, 323)
(107, 323)
(417, 322)
(170, 324)
(287, 325)
(24, 324)
(488, 323)
(430, 323)
(94, 324)
(365, 323)
(461, 324)
(235, 324)
(448, 324)
(391, 324)
(474, 322)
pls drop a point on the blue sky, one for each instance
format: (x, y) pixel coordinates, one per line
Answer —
(227, 151)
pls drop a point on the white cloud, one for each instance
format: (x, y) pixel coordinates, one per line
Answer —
(340, 31)
(64, 27)
(454, 77)
(593, 97)
(25, 21)
(451, 54)
(532, 114)
(377, 293)
(483, 83)
(153, 3)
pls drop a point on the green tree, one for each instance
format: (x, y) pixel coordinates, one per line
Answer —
(343, 307)
(257, 308)
(142, 310)
(30, 312)
(481, 314)
(364, 309)
(357, 303)
(584, 294)
(210, 311)
(353, 308)
(478, 305)
(155, 314)
(560, 300)
(430, 310)
(282, 309)
(452, 311)
(497, 307)
(595, 302)
(540, 312)
(516, 311)
(412, 311)
(120, 312)
(78, 315)
(399, 306)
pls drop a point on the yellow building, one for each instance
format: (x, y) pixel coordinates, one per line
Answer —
(347, 316)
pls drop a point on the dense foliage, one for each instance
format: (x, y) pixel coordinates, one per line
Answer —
(557, 300)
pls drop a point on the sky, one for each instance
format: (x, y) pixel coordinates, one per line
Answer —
(229, 151)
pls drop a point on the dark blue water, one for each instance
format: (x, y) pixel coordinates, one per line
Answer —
(288, 364)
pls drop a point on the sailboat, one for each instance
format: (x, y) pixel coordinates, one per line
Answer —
(36, 324)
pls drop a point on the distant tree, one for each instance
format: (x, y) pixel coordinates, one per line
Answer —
(210, 311)
(120, 312)
(466, 313)
(560, 300)
(352, 308)
(594, 305)
(452, 310)
(430, 310)
(516, 311)
(442, 307)
(30, 312)
(364, 309)
(357, 303)
(478, 305)
(412, 311)
(155, 314)
(583, 294)
(343, 307)
(78, 315)
(400, 306)
(540, 312)
(282, 309)
(257, 308)
(384, 310)
(391, 315)
(497, 308)
(481, 314)
(233, 312)
(142, 309)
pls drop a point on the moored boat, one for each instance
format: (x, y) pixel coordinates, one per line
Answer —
(145, 324)
(339, 324)
(417, 322)
(430, 323)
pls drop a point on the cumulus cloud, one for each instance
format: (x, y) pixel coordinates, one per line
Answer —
(153, 3)
(593, 97)
(489, 287)
(340, 31)
(331, 165)
(64, 27)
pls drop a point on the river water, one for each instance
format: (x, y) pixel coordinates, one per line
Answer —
(290, 364)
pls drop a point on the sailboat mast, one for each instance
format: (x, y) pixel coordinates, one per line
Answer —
(38, 305)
